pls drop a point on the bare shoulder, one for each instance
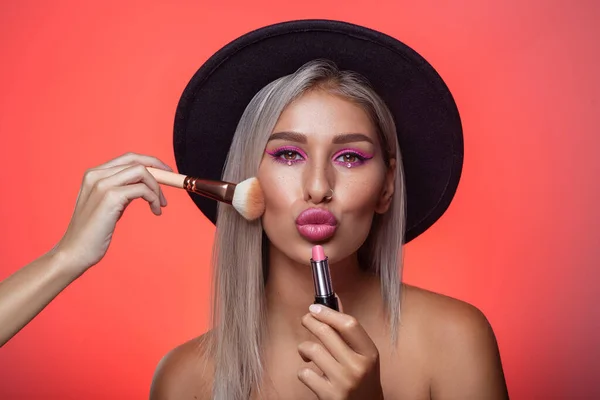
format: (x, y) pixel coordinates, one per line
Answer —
(463, 357)
(185, 372)
(442, 316)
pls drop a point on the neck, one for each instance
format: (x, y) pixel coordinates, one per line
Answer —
(290, 290)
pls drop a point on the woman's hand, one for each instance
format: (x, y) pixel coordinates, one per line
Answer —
(347, 356)
(105, 193)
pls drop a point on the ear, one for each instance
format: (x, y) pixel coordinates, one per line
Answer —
(388, 189)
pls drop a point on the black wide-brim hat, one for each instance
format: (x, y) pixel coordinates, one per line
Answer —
(427, 120)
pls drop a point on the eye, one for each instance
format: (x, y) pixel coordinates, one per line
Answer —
(349, 158)
(289, 155)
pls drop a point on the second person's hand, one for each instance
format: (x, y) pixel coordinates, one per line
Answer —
(105, 193)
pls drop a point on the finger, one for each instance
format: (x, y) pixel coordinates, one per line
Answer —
(318, 384)
(311, 351)
(129, 158)
(125, 174)
(92, 176)
(331, 339)
(126, 194)
(130, 175)
(340, 305)
(348, 327)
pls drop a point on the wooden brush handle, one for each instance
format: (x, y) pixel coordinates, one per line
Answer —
(167, 178)
(216, 190)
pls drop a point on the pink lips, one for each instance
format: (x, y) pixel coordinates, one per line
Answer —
(316, 224)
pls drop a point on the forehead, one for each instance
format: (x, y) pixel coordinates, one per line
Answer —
(320, 113)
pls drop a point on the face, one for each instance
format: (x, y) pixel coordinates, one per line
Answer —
(324, 177)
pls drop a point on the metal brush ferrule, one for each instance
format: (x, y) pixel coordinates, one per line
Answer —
(216, 190)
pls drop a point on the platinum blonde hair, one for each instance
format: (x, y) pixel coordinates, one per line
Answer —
(239, 257)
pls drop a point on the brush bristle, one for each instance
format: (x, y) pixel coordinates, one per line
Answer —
(248, 199)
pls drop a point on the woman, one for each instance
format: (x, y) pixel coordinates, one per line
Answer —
(384, 163)
(321, 138)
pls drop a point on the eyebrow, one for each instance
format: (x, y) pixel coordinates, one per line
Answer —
(338, 139)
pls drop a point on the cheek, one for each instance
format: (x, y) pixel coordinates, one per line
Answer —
(360, 195)
(358, 200)
(280, 191)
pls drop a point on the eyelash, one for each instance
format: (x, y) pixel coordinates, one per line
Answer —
(361, 157)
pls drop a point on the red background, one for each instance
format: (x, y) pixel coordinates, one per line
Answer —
(83, 82)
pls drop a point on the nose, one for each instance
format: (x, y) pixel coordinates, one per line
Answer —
(318, 183)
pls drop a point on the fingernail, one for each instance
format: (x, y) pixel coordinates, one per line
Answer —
(315, 308)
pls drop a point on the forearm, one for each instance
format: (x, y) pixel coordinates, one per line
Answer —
(29, 290)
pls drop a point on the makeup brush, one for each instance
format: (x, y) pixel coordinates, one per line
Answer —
(246, 197)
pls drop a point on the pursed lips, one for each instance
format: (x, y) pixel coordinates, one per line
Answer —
(316, 224)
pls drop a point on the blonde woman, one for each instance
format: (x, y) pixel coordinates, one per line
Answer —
(330, 117)
(345, 120)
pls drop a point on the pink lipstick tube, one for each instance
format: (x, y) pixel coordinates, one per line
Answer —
(324, 293)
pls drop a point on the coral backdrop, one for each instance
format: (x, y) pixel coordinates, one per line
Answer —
(85, 81)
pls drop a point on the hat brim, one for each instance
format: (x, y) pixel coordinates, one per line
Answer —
(428, 123)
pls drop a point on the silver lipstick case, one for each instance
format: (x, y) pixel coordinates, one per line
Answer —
(321, 278)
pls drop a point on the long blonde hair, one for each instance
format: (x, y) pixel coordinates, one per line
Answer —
(239, 257)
